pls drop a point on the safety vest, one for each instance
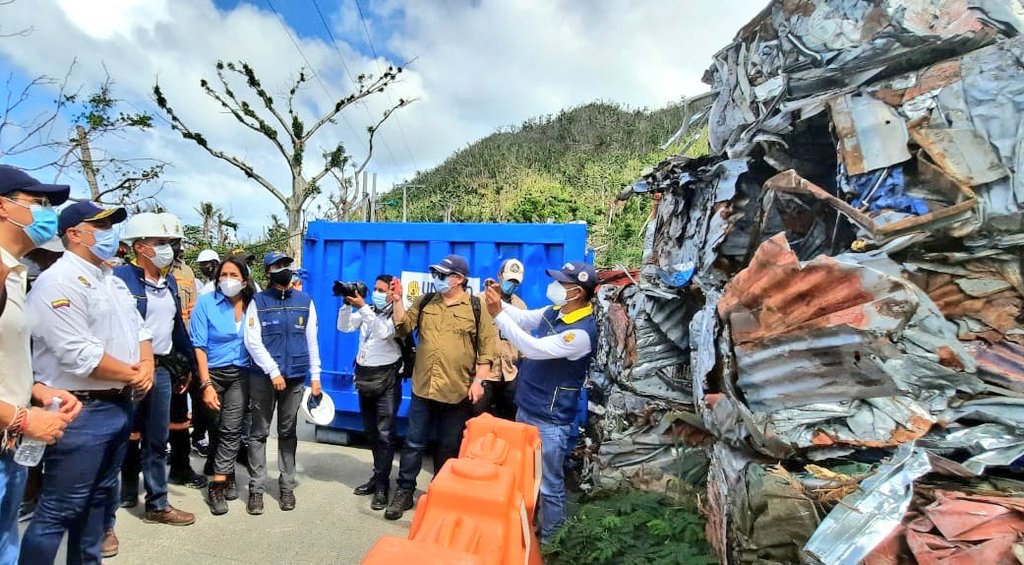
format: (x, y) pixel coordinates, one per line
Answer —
(283, 317)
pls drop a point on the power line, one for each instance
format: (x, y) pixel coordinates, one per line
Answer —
(327, 28)
(398, 120)
(280, 20)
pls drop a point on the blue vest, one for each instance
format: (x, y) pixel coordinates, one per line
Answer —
(284, 316)
(548, 391)
(134, 277)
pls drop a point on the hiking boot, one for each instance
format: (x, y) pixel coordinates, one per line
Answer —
(380, 498)
(218, 502)
(186, 477)
(399, 504)
(170, 516)
(110, 545)
(129, 493)
(287, 500)
(369, 487)
(231, 490)
(255, 506)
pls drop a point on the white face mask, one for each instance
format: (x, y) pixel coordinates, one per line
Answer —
(230, 287)
(164, 256)
(558, 294)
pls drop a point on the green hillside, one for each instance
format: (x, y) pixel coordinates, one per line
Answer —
(562, 168)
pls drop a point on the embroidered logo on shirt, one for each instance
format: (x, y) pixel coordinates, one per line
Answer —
(85, 282)
(568, 337)
(252, 322)
(302, 321)
(60, 303)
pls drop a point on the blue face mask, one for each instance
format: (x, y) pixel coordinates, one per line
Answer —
(44, 223)
(441, 284)
(380, 300)
(106, 244)
(508, 288)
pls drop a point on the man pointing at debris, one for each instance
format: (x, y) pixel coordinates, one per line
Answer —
(552, 372)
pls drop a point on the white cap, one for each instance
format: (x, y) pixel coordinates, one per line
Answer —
(150, 224)
(512, 270)
(207, 255)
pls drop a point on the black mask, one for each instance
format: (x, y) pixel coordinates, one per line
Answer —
(281, 278)
(208, 270)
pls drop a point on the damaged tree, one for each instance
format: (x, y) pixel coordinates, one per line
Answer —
(289, 133)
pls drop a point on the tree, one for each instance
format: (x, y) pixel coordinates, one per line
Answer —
(208, 214)
(24, 136)
(20, 33)
(225, 223)
(289, 133)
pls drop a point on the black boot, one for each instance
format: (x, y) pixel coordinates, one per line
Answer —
(380, 498)
(255, 505)
(231, 490)
(287, 501)
(218, 502)
(186, 477)
(366, 488)
(399, 504)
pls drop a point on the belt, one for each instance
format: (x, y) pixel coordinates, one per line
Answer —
(110, 394)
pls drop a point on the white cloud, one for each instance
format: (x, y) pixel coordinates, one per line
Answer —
(478, 66)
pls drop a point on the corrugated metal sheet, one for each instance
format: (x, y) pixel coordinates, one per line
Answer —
(361, 251)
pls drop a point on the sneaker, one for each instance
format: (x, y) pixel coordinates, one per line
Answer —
(202, 447)
(287, 500)
(110, 545)
(255, 506)
(366, 488)
(380, 498)
(399, 504)
(231, 490)
(218, 502)
(187, 478)
(170, 516)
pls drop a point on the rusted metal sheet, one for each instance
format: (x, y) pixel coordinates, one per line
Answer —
(871, 134)
(1001, 364)
(963, 154)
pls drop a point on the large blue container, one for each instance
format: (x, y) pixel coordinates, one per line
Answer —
(361, 251)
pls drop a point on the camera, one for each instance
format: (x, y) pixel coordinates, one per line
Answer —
(350, 289)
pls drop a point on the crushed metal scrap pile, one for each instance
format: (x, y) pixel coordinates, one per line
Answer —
(828, 324)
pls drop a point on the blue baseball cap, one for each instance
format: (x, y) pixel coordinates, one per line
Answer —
(80, 212)
(275, 256)
(576, 272)
(452, 264)
(17, 180)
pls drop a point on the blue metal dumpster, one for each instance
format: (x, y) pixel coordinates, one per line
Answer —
(361, 251)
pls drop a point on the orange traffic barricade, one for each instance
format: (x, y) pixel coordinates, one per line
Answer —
(398, 551)
(514, 445)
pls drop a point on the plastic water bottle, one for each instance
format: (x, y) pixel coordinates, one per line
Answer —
(30, 452)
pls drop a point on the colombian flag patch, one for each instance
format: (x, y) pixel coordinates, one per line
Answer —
(60, 303)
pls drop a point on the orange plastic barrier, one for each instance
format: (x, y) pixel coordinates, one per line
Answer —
(509, 444)
(398, 551)
(474, 507)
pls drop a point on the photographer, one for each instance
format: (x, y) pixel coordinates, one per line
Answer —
(377, 380)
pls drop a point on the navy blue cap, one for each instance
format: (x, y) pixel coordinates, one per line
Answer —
(80, 212)
(17, 180)
(275, 256)
(452, 264)
(576, 272)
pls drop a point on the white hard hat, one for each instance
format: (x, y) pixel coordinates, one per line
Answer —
(150, 224)
(207, 255)
(320, 411)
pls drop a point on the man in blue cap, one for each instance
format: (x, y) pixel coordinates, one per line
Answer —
(27, 221)
(552, 373)
(280, 335)
(88, 338)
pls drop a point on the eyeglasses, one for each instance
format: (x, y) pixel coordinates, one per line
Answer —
(31, 200)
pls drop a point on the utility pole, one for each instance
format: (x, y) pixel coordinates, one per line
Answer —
(373, 199)
(405, 199)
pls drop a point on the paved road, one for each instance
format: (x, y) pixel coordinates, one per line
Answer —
(329, 525)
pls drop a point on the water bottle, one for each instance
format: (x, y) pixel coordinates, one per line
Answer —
(30, 452)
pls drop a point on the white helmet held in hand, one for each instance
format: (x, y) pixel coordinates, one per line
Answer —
(150, 224)
(319, 411)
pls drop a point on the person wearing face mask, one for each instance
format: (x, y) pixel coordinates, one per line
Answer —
(27, 220)
(223, 370)
(457, 345)
(280, 334)
(499, 398)
(552, 373)
(208, 260)
(155, 290)
(376, 378)
(88, 338)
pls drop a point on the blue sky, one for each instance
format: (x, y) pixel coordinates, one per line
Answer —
(479, 65)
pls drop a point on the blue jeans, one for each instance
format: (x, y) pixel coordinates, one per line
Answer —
(12, 486)
(80, 477)
(153, 418)
(555, 447)
(427, 419)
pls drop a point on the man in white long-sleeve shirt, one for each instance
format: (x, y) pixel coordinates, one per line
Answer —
(280, 335)
(380, 390)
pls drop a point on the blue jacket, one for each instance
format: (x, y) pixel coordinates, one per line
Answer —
(133, 277)
(548, 391)
(283, 317)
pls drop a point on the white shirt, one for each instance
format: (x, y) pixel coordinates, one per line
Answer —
(515, 323)
(207, 288)
(79, 312)
(15, 337)
(377, 344)
(160, 313)
(262, 357)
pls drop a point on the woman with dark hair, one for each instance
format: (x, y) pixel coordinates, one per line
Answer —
(224, 365)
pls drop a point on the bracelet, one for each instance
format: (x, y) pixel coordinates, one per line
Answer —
(204, 384)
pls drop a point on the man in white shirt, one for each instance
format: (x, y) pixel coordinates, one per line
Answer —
(280, 335)
(87, 338)
(377, 381)
(27, 220)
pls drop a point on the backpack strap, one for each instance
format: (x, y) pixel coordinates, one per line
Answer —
(423, 302)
